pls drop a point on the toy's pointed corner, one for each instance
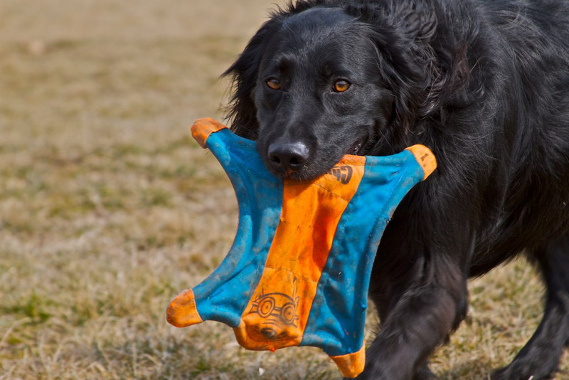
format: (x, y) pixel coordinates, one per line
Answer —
(425, 158)
(203, 128)
(182, 310)
(351, 365)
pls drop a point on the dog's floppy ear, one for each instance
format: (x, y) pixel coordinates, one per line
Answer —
(416, 19)
(423, 70)
(401, 31)
(414, 22)
(244, 71)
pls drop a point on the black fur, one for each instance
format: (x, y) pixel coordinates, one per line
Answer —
(485, 85)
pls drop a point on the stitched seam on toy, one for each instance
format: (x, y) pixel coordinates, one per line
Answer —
(333, 258)
(395, 188)
(347, 217)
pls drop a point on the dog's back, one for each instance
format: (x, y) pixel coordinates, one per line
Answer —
(527, 202)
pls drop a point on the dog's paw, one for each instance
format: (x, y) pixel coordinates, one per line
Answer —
(521, 371)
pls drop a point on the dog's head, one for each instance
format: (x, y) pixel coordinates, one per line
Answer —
(319, 81)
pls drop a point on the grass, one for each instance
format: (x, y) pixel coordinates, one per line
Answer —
(108, 210)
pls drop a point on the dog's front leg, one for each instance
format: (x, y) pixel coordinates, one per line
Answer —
(422, 320)
(417, 313)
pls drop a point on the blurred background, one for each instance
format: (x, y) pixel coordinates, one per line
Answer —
(108, 209)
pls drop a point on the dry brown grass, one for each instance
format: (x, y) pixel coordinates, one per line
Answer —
(107, 209)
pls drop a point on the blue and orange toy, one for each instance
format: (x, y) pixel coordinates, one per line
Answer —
(299, 269)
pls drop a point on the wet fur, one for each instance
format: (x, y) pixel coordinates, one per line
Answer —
(485, 85)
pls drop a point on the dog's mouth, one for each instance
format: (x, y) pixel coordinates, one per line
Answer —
(316, 167)
(357, 147)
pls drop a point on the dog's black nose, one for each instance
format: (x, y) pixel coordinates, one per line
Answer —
(288, 157)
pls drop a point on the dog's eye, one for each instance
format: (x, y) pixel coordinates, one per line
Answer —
(274, 84)
(341, 85)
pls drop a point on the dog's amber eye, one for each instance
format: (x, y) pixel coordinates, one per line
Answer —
(341, 86)
(274, 84)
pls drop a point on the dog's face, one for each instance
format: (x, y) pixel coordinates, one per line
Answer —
(318, 83)
(318, 95)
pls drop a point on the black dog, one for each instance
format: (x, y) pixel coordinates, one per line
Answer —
(485, 85)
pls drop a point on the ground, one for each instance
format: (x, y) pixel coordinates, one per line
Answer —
(108, 209)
